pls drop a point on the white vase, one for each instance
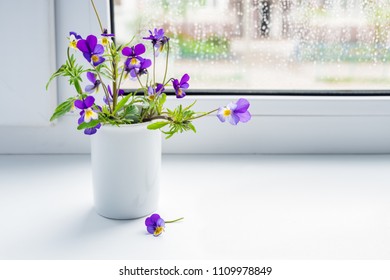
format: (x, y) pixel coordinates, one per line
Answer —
(126, 166)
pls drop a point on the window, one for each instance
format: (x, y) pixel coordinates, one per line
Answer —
(269, 44)
(293, 123)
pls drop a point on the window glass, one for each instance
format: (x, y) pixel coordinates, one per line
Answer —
(267, 44)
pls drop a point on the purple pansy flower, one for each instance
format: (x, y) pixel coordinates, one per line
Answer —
(138, 70)
(87, 114)
(91, 50)
(155, 224)
(106, 37)
(73, 39)
(120, 93)
(95, 83)
(105, 33)
(235, 112)
(155, 92)
(179, 86)
(133, 55)
(158, 39)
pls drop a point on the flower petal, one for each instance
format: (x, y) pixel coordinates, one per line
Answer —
(185, 85)
(146, 63)
(99, 49)
(233, 119)
(184, 79)
(88, 101)
(90, 88)
(90, 131)
(87, 56)
(79, 104)
(91, 42)
(150, 229)
(244, 117)
(101, 60)
(160, 223)
(126, 51)
(220, 114)
(82, 45)
(242, 105)
(91, 77)
(139, 49)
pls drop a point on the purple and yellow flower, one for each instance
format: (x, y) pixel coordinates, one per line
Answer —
(92, 51)
(133, 55)
(120, 93)
(155, 224)
(154, 92)
(73, 39)
(106, 37)
(87, 113)
(235, 112)
(179, 86)
(95, 83)
(158, 39)
(138, 70)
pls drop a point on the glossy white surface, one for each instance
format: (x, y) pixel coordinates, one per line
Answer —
(126, 167)
(235, 207)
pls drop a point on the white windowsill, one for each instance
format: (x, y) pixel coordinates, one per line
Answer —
(235, 207)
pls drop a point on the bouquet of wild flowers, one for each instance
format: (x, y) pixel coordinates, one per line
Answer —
(107, 71)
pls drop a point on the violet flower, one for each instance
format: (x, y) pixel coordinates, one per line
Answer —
(95, 83)
(87, 114)
(155, 224)
(91, 50)
(73, 39)
(106, 37)
(179, 86)
(133, 55)
(235, 112)
(158, 39)
(120, 93)
(153, 93)
(140, 70)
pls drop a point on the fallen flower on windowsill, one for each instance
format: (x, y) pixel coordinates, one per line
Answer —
(155, 224)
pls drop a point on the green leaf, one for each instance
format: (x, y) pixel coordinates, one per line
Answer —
(121, 103)
(63, 108)
(191, 126)
(157, 125)
(189, 106)
(59, 72)
(90, 124)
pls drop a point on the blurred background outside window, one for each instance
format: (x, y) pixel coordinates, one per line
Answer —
(267, 44)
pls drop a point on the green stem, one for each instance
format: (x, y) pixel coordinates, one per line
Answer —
(97, 15)
(171, 79)
(166, 64)
(120, 79)
(154, 66)
(105, 89)
(139, 81)
(158, 117)
(168, 222)
(202, 115)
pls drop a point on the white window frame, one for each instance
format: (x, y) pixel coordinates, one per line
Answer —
(280, 124)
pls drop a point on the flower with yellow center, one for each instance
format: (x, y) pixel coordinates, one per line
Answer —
(235, 112)
(73, 39)
(89, 115)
